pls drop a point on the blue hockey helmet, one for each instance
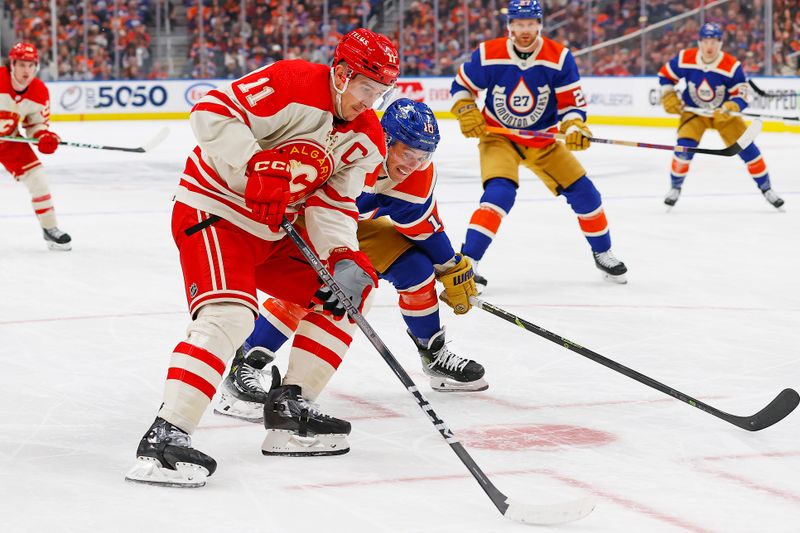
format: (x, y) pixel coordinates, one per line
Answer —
(412, 123)
(711, 30)
(524, 9)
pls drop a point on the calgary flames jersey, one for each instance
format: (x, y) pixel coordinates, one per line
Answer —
(527, 94)
(29, 108)
(412, 208)
(287, 106)
(707, 85)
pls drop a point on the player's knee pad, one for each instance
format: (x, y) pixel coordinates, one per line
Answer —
(583, 196)
(221, 328)
(499, 194)
(36, 182)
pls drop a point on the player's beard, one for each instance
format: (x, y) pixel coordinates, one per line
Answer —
(525, 49)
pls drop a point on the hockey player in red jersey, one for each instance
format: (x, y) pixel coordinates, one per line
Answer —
(25, 102)
(531, 83)
(292, 139)
(403, 235)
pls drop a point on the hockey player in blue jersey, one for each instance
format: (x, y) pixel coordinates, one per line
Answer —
(715, 82)
(531, 83)
(401, 233)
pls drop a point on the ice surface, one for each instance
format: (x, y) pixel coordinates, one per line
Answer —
(711, 309)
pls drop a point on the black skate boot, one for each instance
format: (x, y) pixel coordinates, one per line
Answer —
(447, 371)
(165, 457)
(773, 198)
(57, 239)
(613, 269)
(672, 196)
(243, 394)
(296, 427)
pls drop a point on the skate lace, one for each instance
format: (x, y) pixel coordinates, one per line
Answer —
(607, 259)
(251, 378)
(55, 233)
(311, 407)
(448, 360)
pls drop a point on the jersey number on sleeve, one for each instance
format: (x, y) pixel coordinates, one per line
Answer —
(580, 101)
(252, 92)
(434, 221)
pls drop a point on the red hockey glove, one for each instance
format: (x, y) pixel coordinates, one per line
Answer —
(48, 141)
(267, 190)
(354, 274)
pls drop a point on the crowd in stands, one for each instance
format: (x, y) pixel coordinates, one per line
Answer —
(85, 43)
(227, 38)
(235, 42)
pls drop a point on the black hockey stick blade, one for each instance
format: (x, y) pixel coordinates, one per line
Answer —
(741, 143)
(149, 145)
(525, 513)
(770, 94)
(778, 409)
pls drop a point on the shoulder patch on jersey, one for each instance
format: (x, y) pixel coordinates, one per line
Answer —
(37, 91)
(416, 188)
(688, 57)
(551, 51)
(495, 49)
(728, 63)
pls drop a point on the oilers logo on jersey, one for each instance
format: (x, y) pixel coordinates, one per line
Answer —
(705, 96)
(522, 108)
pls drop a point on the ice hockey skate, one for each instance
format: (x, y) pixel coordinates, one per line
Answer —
(57, 239)
(773, 198)
(447, 371)
(296, 427)
(165, 457)
(672, 196)
(243, 393)
(613, 269)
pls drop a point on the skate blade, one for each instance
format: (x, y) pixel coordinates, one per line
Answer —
(287, 443)
(56, 247)
(622, 279)
(227, 405)
(442, 384)
(150, 472)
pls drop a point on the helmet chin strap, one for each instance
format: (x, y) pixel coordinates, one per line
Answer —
(337, 104)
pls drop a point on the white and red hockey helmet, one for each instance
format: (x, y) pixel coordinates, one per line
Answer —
(24, 52)
(370, 54)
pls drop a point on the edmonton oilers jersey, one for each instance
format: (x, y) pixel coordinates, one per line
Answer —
(707, 85)
(527, 94)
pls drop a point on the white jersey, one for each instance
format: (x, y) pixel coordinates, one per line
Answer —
(29, 108)
(286, 106)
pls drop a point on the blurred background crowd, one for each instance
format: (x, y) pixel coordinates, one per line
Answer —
(157, 39)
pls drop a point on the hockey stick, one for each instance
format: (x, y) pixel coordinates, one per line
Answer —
(149, 145)
(765, 94)
(511, 509)
(743, 114)
(741, 143)
(777, 410)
